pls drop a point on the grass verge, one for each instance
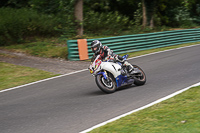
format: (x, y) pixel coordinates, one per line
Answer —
(42, 47)
(13, 75)
(179, 114)
(159, 49)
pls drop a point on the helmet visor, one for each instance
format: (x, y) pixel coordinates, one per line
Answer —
(94, 49)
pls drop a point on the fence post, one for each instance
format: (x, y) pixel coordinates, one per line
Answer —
(83, 49)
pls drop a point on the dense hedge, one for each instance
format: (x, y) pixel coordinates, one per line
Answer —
(16, 24)
(106, 23)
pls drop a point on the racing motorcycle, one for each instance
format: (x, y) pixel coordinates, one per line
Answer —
(110, 75)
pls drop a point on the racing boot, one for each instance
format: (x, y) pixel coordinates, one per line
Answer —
(130, 67)
(131, 70)
(125, 63)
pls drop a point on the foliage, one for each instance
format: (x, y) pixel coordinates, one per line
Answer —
(138, 15)
(125, 8)
(182, 17)
(177, 13)
(14, 3)
(53, 6)
(16, 24)
(105, 23)
(110, 17)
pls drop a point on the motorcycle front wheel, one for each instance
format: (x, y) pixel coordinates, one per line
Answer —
(107, 86)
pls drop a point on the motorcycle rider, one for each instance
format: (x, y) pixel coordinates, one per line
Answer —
(106, 53)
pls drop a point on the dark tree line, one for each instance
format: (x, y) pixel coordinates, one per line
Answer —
(146, 13)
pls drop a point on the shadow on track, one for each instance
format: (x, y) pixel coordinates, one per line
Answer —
(100, 93)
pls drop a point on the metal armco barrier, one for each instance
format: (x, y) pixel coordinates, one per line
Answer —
(132, 43)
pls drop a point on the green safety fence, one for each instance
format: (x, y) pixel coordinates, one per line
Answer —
(138, 42)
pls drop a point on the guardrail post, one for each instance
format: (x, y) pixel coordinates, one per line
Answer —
(83, 49)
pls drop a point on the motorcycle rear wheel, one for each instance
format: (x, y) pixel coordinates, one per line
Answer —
(139, 78)
(104, 85)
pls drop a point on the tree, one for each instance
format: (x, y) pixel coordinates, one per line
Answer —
(78, 13)
(144, 16)
(149, 8)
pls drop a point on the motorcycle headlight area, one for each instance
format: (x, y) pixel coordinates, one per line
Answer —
(91, 71)
(97, 64)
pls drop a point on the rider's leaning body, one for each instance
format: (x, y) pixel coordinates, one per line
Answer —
(106, 53)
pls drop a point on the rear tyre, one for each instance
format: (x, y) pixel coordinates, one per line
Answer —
(105, 85)
(140, 77)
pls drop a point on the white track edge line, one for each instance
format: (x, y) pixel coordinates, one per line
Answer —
(87, 69)
(141, 108)
(42, 80)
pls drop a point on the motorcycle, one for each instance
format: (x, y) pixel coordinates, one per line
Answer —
(110, 75)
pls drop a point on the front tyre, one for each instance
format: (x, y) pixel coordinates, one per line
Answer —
(107, 86)
(139, 77)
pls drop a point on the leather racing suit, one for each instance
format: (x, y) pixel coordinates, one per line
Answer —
(106, 53)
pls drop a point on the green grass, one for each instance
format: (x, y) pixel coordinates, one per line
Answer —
(180, 114)
(159, 49)
(43, 47)
(13, 75)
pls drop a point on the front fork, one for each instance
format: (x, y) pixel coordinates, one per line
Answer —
(105, 75)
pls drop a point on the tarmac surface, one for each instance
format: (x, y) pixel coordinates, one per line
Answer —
(73, 103)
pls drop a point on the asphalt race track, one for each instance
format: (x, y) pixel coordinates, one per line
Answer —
(73, 103)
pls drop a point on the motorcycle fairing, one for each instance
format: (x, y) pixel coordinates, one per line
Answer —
(112, 68)
(121, 80)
